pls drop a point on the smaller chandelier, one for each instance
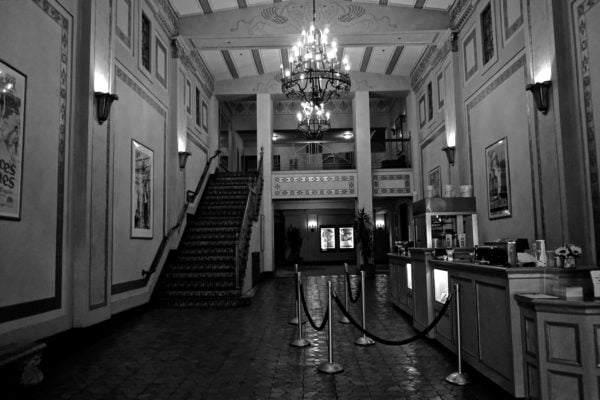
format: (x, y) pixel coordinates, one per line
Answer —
(313, 121)
(315, 73)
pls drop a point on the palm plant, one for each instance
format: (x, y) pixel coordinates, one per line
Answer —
(363, 226)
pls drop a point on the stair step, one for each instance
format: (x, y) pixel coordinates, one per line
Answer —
(193, 237)
(186, 285)
(201, 259)
(189, 244)
(201, 268)
(208, 302)
(229, 274)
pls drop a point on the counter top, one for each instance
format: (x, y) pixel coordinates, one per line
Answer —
(550, 303)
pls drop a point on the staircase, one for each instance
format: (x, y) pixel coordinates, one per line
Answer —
(202, 272)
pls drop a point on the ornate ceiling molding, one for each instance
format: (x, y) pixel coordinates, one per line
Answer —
(430, 60)
(460, 12)
(193, 63)
(166, 16)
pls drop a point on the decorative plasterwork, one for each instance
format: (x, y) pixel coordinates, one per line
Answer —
(291, 107)
(430, 60)
(194, 64)
(166, 16)
(293, 16)
(460, 12)
(392, 183)
(314, 185)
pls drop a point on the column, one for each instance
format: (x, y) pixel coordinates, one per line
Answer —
(264, 133)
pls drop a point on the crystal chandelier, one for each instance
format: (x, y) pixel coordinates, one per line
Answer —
(313, 121)
(315, 73)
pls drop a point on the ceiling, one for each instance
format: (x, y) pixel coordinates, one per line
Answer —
(245, 38)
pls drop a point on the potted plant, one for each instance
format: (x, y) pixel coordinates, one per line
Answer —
(294, 242)
(363, 228)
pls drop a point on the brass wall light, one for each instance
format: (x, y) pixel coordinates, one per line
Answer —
(103, 103)
(539, 91)
(450, 150)
(183, 156)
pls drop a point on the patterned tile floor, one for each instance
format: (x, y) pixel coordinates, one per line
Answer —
(244, 353)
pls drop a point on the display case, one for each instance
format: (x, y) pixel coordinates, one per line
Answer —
(445, 222)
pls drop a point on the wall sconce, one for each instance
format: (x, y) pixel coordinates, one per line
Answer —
(450, 150)
(539, 91)
(312, 222)
(183, 156)
(103, 103)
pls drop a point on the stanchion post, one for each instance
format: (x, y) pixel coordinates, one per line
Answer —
(364, 340)
(458, 377)
(344, 319)
(329, 367)
(294, 320)
(300, 341)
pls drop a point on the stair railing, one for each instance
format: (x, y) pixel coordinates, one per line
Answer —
(190, 198)
(250, 215)
(191, 195)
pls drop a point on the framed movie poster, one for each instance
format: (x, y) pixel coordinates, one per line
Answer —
(346, 235)
(12, 122)
(142, 185)
(498, 181)
(435, 180)
(327, 238)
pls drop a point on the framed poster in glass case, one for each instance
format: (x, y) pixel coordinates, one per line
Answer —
(346, 235)
(327, 235)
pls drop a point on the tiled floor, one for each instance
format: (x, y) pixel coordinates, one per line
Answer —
(244, 353)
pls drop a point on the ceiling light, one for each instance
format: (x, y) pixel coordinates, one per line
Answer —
(313, 121)
(315, 73)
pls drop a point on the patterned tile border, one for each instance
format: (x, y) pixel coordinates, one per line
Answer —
(403, 185)
(590, 128)
(279, 192)
(16, 311)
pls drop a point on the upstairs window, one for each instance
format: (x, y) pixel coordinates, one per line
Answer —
(146, 39)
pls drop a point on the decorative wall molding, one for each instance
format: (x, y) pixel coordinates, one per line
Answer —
(393, 183)
(166, 16)
(314, 185)
(460, 12)
(136, 87)
(432, 57)
(21, 310)
(291, 107)
(292, 16)
(588, 122)
(194, 64)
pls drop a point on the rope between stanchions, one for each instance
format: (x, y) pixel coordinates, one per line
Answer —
(358, 292)
(310, 320)
(418, 336)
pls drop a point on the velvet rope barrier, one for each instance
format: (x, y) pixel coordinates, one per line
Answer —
(418, 336)
(310, 320)
(359, 290)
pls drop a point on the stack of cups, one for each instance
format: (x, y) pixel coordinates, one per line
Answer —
(448, 191)
(466, 190)
(429, 191)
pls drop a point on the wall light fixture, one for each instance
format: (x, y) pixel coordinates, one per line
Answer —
(103, 103)
(539, 90)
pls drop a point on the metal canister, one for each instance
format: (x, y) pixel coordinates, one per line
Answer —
(511, 250)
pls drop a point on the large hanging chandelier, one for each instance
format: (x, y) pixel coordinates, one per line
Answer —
(315, 73)
(313, 121)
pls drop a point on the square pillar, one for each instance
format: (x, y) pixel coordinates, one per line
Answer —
(264, 134)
